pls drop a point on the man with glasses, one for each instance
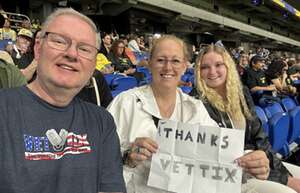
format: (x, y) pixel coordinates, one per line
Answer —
(51, 141)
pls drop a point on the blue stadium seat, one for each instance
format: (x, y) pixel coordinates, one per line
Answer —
(288, 104)
(294, 112)
(4, 43)
(263, 118)
(186, 89)
(273, 109)
(190, 71)
(278, 133)
(192, 79)
(147, 74)
(296, 100)
(121, 84)
(109, 77)
(185, 77)
(294, 131)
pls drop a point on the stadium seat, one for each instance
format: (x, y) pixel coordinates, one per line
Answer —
(121, 84)
(296, 100)
(288, 104)
(185, 77)
(294, 112)
(294, 131)
(4, 43)
(263, 118)
(273, 109)
(190, 71)
(109, 77)
(147, 74)
(278, 133)
(186, 89)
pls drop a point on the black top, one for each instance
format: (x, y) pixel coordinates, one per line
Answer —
(24, 61)
(256, 78)
(88, 93)
(120, 64)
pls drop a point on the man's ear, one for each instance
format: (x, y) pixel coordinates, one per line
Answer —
(37, 48)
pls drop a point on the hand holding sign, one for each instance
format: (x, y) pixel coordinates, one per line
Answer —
(255, 163)
(193, 158)
(142, 149)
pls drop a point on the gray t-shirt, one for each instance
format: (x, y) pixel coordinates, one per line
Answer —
(89, 162)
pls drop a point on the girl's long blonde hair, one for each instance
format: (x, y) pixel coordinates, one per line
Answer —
(234, 102)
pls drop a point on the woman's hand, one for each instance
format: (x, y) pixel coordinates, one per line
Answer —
(255, 163)
(294, 183)
(142, 149)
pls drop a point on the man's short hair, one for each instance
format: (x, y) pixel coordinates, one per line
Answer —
(69, 11)
(255, 59)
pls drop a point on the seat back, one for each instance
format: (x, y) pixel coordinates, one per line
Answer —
(279, 128)
(294, 131)
(273, 109)
(263, 118)
(147, 74)
(185, 77)
(124, 83)
(288, 104)
(109, 78)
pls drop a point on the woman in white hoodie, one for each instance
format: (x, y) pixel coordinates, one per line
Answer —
(137, 111)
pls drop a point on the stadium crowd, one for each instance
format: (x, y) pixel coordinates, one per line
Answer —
(140, 79)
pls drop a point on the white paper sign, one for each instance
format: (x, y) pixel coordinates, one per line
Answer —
(195, 158)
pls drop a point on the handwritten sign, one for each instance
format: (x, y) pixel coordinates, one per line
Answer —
(195, 158)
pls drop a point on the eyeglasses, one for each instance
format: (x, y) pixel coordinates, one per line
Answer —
(63, 43)
(174, 62)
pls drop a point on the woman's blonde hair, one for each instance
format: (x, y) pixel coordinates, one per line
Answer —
(175, 39)
(234, 104)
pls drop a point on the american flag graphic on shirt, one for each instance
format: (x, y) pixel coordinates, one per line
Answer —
(37, 148)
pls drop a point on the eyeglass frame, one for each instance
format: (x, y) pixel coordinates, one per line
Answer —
(69, 44)
(161, 61)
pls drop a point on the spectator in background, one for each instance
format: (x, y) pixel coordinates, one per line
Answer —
(26, 24)
(10, 75)
(106, 44)
(292, 72)
(20, 51)
(36, 25)
(30, 71)
(133, 43)
(277, 73)
(260, 86)
(230, 105)
(141, 42)
(243, 64)
(128, 51)
(121, 62)
(103, 64)
(6, 33)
